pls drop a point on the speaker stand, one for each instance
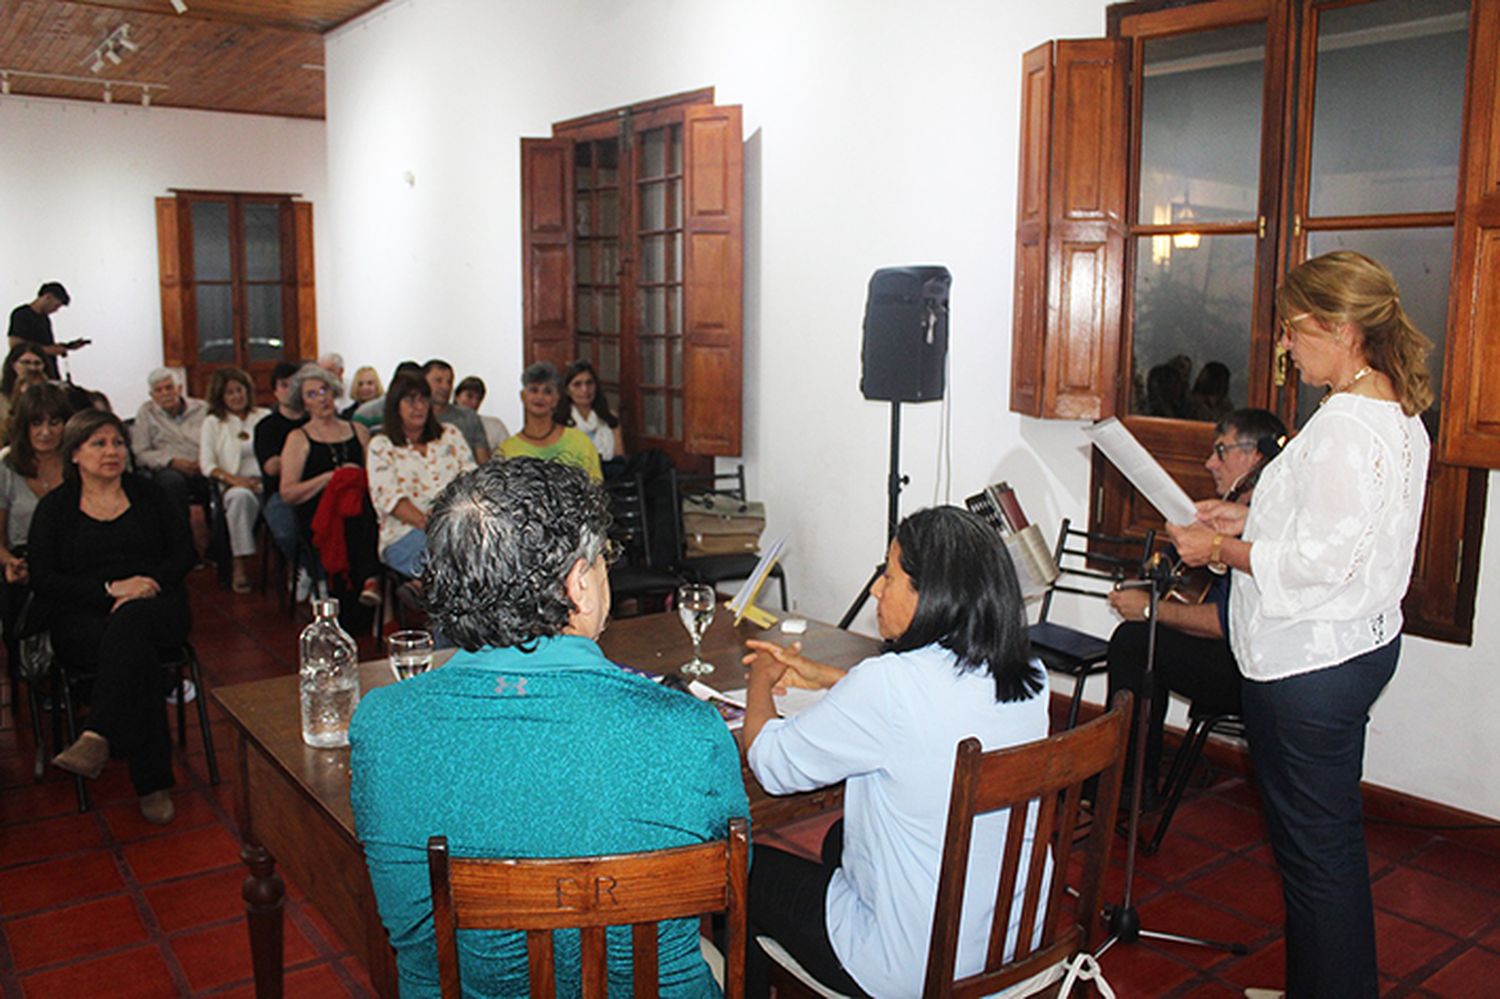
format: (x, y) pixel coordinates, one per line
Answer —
(893, 483)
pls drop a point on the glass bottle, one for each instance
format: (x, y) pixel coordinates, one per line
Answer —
(330, 678)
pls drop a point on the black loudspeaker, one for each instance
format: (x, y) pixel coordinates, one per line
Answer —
(906, 334)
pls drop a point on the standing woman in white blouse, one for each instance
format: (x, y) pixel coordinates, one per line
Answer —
(226, 453)
(1321, 563)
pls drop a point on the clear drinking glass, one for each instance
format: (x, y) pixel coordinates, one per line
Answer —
(695, 606)
(411, 653)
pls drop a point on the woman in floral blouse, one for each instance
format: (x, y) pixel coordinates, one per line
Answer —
(410, 462)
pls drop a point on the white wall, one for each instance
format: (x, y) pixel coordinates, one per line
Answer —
(877, 133)
(77, 189)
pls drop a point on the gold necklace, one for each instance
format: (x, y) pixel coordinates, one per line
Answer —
(1362, 372)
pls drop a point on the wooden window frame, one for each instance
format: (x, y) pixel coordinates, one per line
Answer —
(1053, 329)
(710, 228)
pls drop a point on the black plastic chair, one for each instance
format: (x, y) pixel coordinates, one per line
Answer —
(1203, 721)
(180, 661)
(634, 577)
(715, 569)
(1063, 649)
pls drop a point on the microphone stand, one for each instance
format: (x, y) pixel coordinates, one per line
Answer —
(1123, 920)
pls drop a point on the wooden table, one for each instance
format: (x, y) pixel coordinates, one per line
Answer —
(293, 800)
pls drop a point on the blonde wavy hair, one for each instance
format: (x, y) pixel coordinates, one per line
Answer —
(1349, 287)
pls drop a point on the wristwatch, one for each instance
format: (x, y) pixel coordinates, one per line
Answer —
(1146, 611)
(1215, 564)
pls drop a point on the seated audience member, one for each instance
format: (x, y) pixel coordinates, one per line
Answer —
(31, 469)
(364, 386)
(439, 374)
(470, 395)
(270, 436)
(333, 364)
(226, 453)
(108, 553)
(411, 460)
(951, 613)
(165, 438)
(585, 406)
(541, 436)
(1192, 648)
(323, 479)
(370, 413)
(502, 749)
(25, 365)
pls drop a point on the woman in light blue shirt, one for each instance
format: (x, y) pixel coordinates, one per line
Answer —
(957, 665)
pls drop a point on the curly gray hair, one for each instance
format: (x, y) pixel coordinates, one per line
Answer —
(310, 373)
(500, 542)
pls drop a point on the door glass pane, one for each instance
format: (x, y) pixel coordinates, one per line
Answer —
(674, 202)
(677, 364)
(653, 361)
(583, 214)
(654, 152)
(676, 133)
(609, 262)
(607, 163)
(215, 311)
(677, 417)
(609, 359)
(583, 261)
(676, 240)
(653, 206)
(1388, 108)
(674, 326)
(1420, 259)
(609, 311)
(654, 304)
(654, 258)
(210, 241)
(609, 213)
(261, 225)
(264, 322)
(583, 312)
(587, 350)
(653, 413)
(1192, 326)
(1200, 125)
(583, 166)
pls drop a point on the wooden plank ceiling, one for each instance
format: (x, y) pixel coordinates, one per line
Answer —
(251, 56)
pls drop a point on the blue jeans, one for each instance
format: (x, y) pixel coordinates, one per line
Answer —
(281, 522)
(1307, 741)
(408, 554)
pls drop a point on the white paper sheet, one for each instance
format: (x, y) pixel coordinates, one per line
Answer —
(1144, 472)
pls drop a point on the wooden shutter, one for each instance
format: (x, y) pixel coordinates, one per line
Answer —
(169, 263)
(1070, 230)
(546, 250)
(1471, 405)
(713, 271)
(306, 335)
(1029, 331)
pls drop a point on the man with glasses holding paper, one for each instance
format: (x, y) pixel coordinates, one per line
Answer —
(1192, 649)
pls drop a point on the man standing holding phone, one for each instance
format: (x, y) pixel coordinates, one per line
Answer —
(32, 323)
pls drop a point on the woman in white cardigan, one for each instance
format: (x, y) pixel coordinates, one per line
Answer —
(226, 453)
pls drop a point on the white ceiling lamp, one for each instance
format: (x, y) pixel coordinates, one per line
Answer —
(111, 48)
(5, 84)
(109, 95)
(145, 97)
(179, 6)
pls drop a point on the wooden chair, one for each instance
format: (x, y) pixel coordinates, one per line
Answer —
(642, 890)
(1063, 649)
(1203, 721)
(1049, 774)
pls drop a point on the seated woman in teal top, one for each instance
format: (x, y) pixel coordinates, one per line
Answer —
(542, 436)
(528, 742)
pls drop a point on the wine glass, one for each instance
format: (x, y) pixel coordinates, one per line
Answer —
(695, 606)
(411, 653)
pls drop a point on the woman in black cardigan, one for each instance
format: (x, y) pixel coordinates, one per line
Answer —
(108, 557)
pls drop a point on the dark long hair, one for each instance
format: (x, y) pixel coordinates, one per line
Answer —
(564, 414)
(35, 404)
(402, 386)
(8, 377)
(968, 600)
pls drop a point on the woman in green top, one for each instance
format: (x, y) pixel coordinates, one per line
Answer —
(542, 436)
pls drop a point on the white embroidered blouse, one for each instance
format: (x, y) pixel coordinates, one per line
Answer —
(397, 473)
(1334, 531)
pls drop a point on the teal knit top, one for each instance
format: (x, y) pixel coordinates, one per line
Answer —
(549, 753)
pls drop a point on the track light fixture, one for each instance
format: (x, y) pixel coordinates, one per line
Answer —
(111, 48)
(179, 6)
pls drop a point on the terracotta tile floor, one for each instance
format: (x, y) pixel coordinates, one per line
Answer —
(103, 904)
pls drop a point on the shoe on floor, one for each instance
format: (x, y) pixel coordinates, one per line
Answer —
(369, 594)
(1264, 994)
(189, 691)
(86, 757)
(157, 807)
